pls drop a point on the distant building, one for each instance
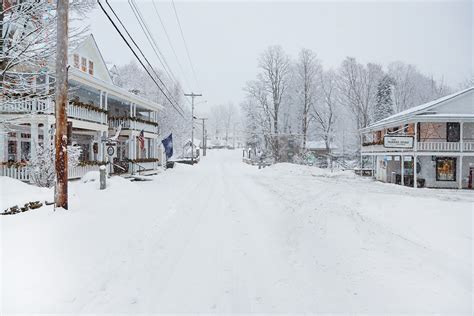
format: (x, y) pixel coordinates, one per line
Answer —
(438, 136)
(318, 148)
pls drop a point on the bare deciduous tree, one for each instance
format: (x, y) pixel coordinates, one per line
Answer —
(357, 87)
(269, 88)
(324, 111)
(308, 69)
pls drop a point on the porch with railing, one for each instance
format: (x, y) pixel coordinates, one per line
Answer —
(423, 146)
(86, 114)
(46, 106)
(446, 146)
(27, 106)
(133, 124)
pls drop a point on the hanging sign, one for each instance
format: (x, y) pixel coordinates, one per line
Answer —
(110, 150)
(398, 141)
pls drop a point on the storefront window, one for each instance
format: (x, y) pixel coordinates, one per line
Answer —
(445, 169)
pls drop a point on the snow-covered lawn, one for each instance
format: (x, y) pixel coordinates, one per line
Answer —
(223, 236)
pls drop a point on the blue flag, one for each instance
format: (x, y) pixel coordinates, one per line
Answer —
(168, 144)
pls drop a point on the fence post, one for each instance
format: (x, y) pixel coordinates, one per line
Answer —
(102, 171)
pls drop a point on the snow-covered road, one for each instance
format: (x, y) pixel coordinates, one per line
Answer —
(225, 237)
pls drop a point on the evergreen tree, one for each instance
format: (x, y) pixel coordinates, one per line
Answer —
(383, 99)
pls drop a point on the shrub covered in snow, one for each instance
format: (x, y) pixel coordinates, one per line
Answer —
(42, 168)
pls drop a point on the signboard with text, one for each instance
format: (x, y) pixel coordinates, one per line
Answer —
(398, 142)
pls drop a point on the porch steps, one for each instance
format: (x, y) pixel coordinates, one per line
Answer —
(134, 177)
(143, 176)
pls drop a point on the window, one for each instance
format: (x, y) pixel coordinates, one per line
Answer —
(83, 64)
(25, 151)
(446, 169)
(453, 132)
(91, 67)
(76, 61)
(12, 150)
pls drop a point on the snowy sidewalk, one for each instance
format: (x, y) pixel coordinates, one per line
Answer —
(225, 237)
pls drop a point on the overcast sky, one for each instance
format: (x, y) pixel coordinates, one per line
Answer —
(226, 38)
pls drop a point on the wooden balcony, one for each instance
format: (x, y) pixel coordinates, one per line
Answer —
(46, 106)
(86, 114)
(132, 123)
(439, 146)
(466, 146)
(27, 106)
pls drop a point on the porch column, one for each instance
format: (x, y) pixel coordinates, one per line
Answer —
(131, 109)
(91, 149)
(415, 170)
(461, 142)
(3, 144)
(18, 146)
(415, 140)
(100, 152)
(106, 100)
(131, 146)
(101, 99)
(460, 173)
(47, 131)
(33, 140)
(402, 180)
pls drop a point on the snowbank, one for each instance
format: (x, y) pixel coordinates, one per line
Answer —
(14, 192)
(285, 169)
(225, 237)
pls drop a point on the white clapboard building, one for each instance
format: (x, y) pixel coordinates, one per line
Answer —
(97, 109)
(438, 136)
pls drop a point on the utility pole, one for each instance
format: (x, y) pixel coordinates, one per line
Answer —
(61, 141)
(204, 140)
(233, 137)
(192, 95)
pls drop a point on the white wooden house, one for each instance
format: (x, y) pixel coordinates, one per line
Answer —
(96, 109)
(438, 136)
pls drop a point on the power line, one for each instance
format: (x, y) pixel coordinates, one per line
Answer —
(138, 58)
(171, 44)
(153, 44)
(141, 52)
(151, 40)
(185, 44)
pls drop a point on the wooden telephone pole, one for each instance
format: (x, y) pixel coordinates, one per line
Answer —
(192, 95)
(204, 138)
(61, 141)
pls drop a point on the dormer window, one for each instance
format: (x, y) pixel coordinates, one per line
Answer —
(83, 64)
(91, 67)
(76, 61)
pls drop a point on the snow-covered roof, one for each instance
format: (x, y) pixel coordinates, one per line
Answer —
(456, 105)
(318, 145)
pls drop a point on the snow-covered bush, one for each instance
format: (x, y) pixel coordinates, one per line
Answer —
(42, 168)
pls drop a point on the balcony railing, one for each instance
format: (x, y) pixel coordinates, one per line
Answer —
(467, 146)
(46, 106)
(86, 114)
(133, 124)
(439, 146)
(36, 105)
